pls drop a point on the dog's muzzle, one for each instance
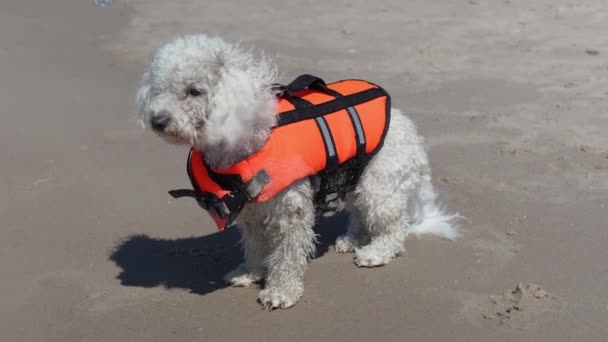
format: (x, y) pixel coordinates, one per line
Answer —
(160, 121)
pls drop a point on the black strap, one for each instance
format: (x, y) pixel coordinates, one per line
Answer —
(179, 193)
(297, 102)
(226, 181)
(311, 112)
(285, 93)
(231, 204)
(306, 81)
(300, 83)
(355, 119)
(305, 110)
(331, 153)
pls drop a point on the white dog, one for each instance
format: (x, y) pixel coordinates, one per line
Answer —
(216, 97)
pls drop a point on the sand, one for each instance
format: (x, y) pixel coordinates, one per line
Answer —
(511, 96)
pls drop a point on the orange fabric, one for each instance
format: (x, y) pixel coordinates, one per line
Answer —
(199, 172)
(303, 137)
(297, 150)
(373, 124)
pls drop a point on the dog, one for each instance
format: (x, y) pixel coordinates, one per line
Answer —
(218, 98)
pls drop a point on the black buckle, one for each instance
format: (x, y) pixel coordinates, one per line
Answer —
(222, 209)
(231, 204)
(255, 185)
(179, 193)
(205, 202)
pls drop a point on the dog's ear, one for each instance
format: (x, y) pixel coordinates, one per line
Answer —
(143, 97)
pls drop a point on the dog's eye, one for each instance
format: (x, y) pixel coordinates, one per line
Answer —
(194, 92)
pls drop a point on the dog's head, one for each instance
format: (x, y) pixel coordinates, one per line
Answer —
(207, 93)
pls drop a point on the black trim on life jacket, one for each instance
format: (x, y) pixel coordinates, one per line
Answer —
(226, 181)
(297, 102)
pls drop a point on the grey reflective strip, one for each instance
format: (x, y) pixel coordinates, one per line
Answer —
(357, 123)
(331, 151)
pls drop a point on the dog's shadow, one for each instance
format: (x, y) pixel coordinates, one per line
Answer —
(197, 264)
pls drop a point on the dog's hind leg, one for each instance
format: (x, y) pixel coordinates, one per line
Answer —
(384, 191)
(354, 236)
(386, 234)
(290, 245)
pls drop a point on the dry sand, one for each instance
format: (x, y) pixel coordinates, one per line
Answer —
(511, 96)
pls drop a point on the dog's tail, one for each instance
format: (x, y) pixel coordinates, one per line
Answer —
(429, 218)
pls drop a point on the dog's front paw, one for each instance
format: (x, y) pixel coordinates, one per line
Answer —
(345, 244)
(241, 277)
(372, 256)
(274, 298)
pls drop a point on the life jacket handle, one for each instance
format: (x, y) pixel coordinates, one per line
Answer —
(301, 82)
(306, 81)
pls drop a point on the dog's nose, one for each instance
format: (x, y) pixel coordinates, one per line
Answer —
(160, 121)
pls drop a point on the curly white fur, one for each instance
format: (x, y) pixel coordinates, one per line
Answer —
(229, 116)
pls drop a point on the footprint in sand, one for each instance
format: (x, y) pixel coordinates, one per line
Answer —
(518, 308)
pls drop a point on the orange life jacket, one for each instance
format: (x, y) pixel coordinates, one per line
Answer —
(328, 131)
